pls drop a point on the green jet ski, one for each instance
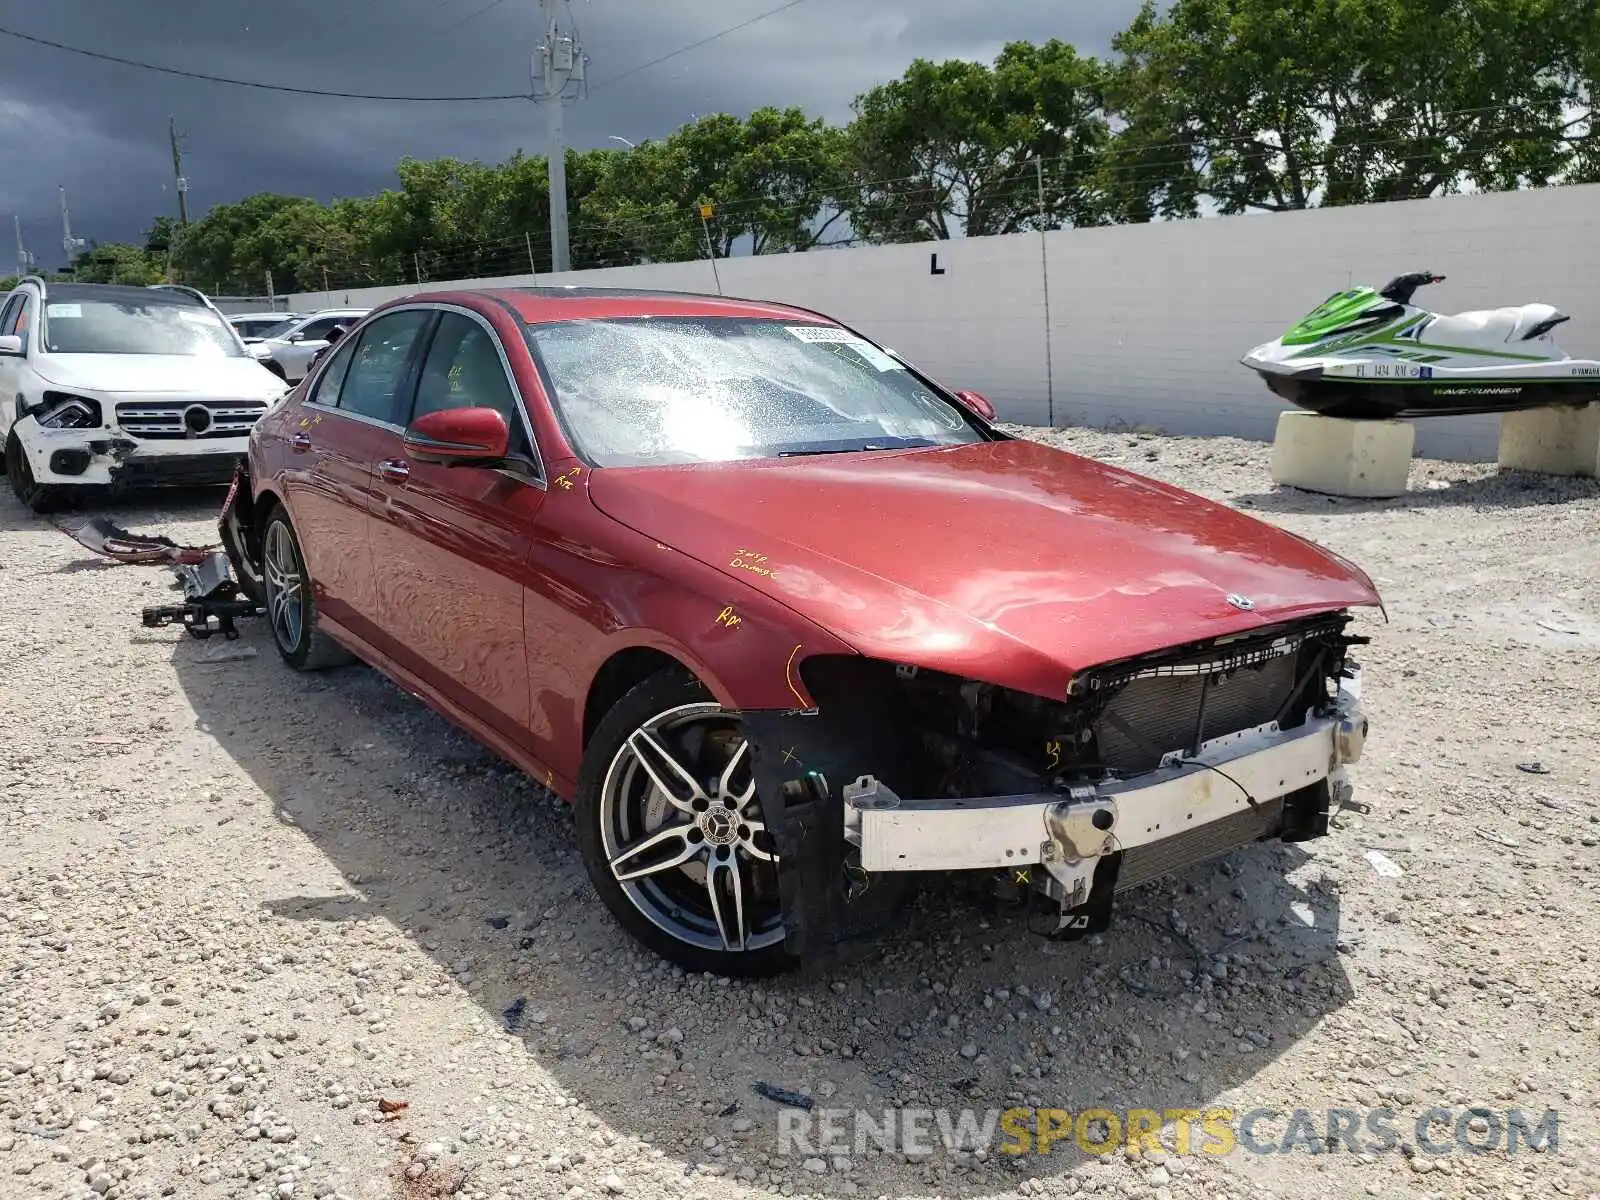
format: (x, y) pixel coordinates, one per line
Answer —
(1374, 355)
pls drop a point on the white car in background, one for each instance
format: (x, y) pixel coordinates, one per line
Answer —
(103, 386)
(288, 353)
(254, 326)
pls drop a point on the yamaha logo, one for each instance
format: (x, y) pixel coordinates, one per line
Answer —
(1243, 603)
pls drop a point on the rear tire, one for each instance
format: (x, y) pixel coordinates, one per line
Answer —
(35, 496)
(700, 874)
(291, 600)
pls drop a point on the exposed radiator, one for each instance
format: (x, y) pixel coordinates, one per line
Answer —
(1163, 712)
(1157, 859)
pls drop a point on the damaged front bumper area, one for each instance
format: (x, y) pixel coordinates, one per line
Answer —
(1060, 829)
(107, 458)
(1104, 838)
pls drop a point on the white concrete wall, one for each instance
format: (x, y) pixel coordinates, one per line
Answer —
(1147, 322)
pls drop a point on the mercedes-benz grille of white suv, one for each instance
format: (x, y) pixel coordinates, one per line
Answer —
(104, 386)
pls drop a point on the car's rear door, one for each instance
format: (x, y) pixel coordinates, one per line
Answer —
(351, 417)
(451, 544)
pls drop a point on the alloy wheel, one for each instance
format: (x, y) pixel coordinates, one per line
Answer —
(284, 587)
(683, 835)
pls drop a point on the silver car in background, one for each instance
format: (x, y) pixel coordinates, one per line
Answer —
(288, 352)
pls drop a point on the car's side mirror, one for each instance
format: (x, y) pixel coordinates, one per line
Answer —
(295, 337)
(11, 345)
(978, 403)
(459, 436)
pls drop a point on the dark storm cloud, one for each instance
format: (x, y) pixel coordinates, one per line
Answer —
(100, 129)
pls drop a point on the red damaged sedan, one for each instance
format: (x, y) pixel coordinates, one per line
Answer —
(788, 621)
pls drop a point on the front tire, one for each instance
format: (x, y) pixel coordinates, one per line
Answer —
(672, 834)
(291, 601)
(35, 496)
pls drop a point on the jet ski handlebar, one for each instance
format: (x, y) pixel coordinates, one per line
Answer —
(1400, 288)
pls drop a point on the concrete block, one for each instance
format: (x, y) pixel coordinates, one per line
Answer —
(1552, 441)
(1342, 458)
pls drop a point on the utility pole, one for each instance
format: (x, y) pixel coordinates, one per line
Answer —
(557, 61)
(69, 244)
(177, 174)
(24, 259)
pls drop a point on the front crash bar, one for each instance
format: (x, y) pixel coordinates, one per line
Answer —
(842, 846)
(994, 832)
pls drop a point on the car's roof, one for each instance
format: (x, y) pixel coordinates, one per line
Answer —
(536, 305)
(121, 293)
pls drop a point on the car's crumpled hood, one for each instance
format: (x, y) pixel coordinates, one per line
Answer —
(218, 378)
(1005, 561)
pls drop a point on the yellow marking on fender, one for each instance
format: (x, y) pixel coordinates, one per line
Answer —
(788, 677)
(750, 560)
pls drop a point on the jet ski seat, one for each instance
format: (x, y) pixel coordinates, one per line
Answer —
(1490, 328)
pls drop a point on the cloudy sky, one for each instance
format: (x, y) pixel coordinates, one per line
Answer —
(100, 129)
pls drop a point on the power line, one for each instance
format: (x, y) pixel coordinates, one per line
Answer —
(338, 95)
(705, 41)
(476, 13)
(250, 83)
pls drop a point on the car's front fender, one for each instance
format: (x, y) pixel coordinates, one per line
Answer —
(743, 645)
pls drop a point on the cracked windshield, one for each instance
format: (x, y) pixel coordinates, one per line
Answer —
(669, 390)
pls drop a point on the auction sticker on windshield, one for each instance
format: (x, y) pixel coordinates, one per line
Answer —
(830, 333)
(63, 310)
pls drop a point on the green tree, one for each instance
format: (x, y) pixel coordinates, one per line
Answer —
(953, 148)
(117, 262)
(214, 253)
(773, 179)
(1580, 65)
(159, 237)
(1283, 104)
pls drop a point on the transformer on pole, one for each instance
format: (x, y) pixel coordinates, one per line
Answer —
(69, 244)
(24, 258)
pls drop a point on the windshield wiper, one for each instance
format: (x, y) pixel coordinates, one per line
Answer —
(908, 444)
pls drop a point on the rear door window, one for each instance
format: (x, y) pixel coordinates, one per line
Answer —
(374, 384)
(326, 390)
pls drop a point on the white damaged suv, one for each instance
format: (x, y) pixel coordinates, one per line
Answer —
(104, 386)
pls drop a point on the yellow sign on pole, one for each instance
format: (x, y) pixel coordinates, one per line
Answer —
(705, 212)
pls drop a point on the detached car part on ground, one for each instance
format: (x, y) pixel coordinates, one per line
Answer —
(1374, 355)
(782, 677)
(104, 387)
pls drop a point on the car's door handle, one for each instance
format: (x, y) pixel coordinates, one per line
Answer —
(394, 470)
(300, 443)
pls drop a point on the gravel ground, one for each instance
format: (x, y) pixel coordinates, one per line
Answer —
(244, 913)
